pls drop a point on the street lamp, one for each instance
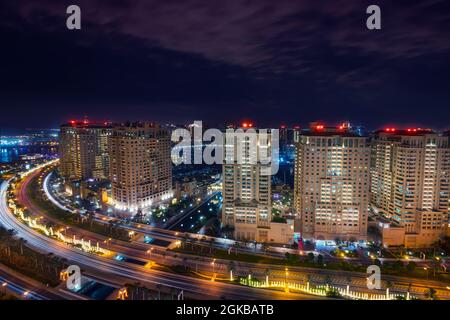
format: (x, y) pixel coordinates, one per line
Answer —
(286, 273)
(426, 269)
(4, 284)
(213, 263)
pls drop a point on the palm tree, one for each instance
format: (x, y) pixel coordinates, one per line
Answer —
(389, 285)
(211, 245)
(230, 267)
(196, 263)
(431, 294)
(184, 240)
(409, 288)
(328, 281)
(308, 281)
(173, 292)
(159, 287)
(349, 282)
(22, 241)
(264, 247)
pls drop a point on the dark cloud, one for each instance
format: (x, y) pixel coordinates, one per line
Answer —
(274, 60)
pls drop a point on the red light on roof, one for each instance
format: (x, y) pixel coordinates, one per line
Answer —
(250, 125)
(283, 126)
(245, 124)
(72, 121)
(319, 127)
(297, 127)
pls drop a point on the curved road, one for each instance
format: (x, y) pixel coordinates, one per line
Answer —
(138, 250)
(114, 269)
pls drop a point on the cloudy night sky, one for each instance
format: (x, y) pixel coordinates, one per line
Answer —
(275, 62)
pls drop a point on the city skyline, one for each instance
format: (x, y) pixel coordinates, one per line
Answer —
(225, 150)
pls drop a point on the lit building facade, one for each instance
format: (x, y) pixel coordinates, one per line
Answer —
(140, 166)
(331, 185)
(410, 171)
(83, 150)
(247, 204)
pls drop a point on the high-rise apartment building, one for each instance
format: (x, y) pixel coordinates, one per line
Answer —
(410, 172)
(247, 204)
(83, 150)
(140, 166)
(331, 188)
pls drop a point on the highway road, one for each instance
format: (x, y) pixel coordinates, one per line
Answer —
(95, 264)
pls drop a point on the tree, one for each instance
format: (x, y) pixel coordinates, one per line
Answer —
(184, 240)
(337, 240)
(328, 281)
(173, 292)
(159, 287)
(211, 245)
(333, 293)
(431, 294)
(231, 266)
(377, 262)
(389, 284)
(411, 266)
(320, 259)
(264, 247)
(349, 280)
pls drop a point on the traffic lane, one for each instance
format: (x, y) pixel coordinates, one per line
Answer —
(97, 263)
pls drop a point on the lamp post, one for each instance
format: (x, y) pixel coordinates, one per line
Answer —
(4, 284)
(107, 241)
(213, 263)
(286, 273)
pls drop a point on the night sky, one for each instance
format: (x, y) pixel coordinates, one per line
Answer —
(275, 62)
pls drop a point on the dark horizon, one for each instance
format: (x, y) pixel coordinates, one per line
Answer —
(290, 62)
